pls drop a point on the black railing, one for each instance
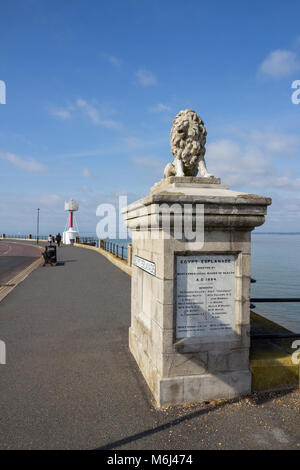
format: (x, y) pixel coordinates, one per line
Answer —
(91, 241)
(120, 251)
(277, 300)
(33, 237)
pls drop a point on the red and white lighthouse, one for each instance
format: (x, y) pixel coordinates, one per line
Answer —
(70, 234)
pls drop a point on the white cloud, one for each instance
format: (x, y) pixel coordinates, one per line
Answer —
(226, 159)
(159, 108)
(248, 165)
(61, 113)
(279, 63)
(277, 142)
(113, 60)
(284, 214)
(89, 110)
(86, 173)
(146, 77)
(94, 115)
(30, 165)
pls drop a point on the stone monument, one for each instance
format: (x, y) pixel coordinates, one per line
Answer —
(190, 288)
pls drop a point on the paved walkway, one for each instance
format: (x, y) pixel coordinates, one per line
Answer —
(14, 257)
(71, 383)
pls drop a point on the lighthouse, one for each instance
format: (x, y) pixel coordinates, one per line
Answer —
(70, 234)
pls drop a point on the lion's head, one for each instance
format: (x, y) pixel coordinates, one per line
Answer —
(188, 138)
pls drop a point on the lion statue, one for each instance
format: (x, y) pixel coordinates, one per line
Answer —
(188, 139)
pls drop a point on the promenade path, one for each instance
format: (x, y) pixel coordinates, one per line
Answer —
(71, 383)
(14, 257)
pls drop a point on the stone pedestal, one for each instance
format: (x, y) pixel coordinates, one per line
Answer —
(190, 299)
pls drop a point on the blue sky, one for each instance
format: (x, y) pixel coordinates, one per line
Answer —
(92, 88)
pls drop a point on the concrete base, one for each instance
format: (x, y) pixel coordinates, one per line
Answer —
(188, 388)
(69, 236)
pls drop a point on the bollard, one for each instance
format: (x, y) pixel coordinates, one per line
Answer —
(129, 257)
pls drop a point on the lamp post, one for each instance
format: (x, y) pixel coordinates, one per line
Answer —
(37, 226)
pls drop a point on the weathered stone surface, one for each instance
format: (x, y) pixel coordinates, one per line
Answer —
(185, 364)
(188, 138)
(201, 367)
(216, 386)
(178, 183)
(226, 361)
(171, 391)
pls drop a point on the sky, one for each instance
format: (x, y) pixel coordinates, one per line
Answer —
(92, 88)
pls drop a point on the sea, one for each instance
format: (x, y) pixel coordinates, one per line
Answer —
(275, 265)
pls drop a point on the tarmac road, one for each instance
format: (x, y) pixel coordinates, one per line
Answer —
(14, 257)
(70, 381)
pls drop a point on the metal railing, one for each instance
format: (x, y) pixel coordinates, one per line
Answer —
(92, 241)
(277, 300)
(120, 251)
(27, 236)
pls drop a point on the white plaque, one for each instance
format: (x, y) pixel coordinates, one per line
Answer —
(205, 294)
(145, 265)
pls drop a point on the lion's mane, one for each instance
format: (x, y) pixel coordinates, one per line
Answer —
(188, 139)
